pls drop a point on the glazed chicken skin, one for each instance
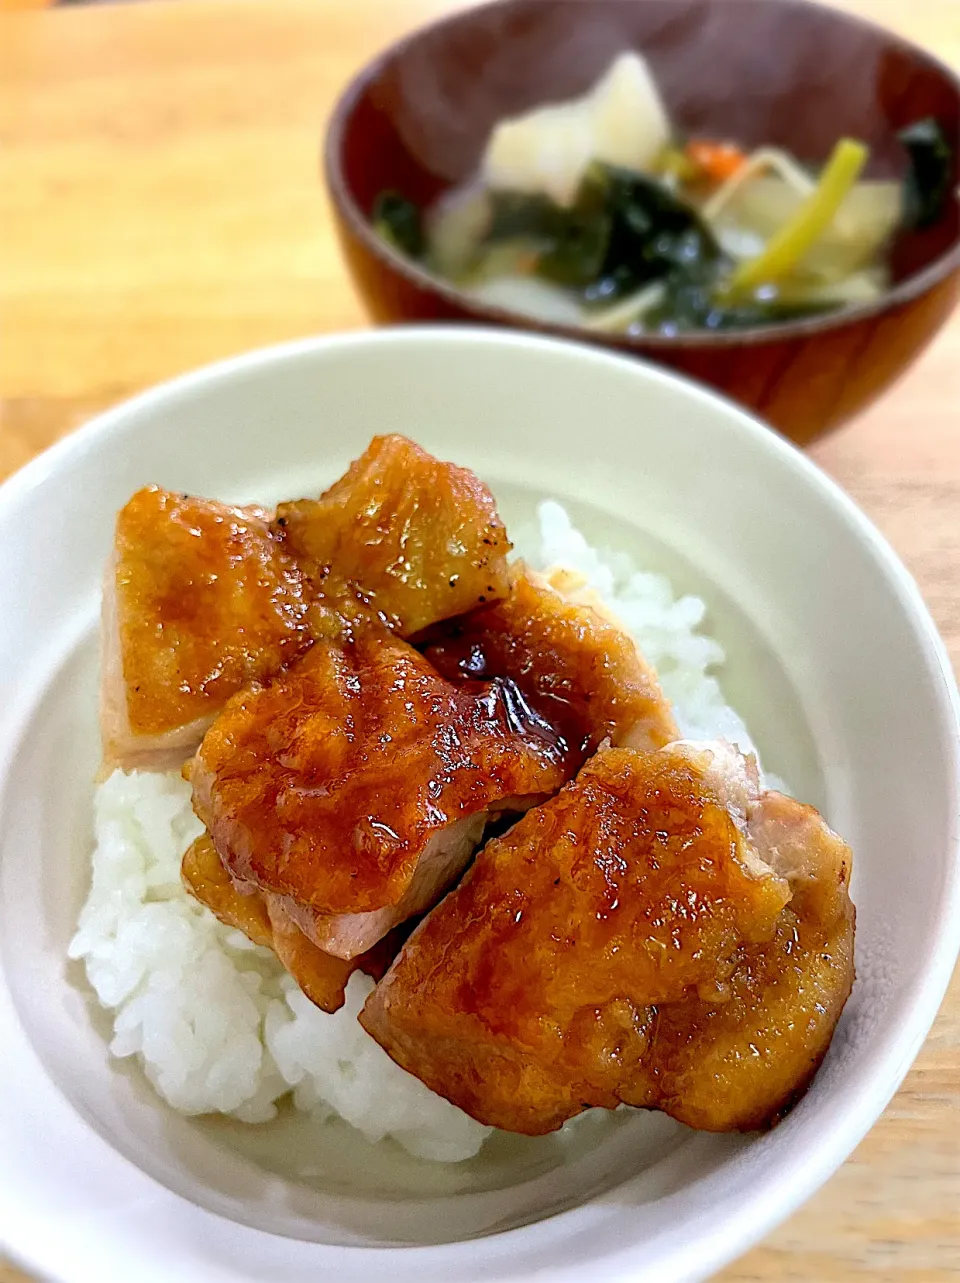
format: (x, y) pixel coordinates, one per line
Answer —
(358, 784)
(578, 668)
(784, 998)
(659, 934)
(263, 920)
(208, 881)
(199, 600)
(416, 539)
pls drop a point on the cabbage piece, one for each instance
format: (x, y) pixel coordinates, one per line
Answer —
(762, 161)
(789, 247)
(455, 228)
(628, 311)
(530, 297)
(863, 226)
(865, 286)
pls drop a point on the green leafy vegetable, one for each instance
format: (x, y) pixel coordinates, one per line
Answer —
(792, 242)
(569, 246)
(629, 252)
(929, 181)
(622, 231)
(691, 304)
(653, 234)
(400, 223)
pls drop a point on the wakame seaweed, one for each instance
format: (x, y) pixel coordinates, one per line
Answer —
(622, 231)
(400, 223)
(929, 180)
(653, 234)
(695, 304)
(570, 244)
(625, 231)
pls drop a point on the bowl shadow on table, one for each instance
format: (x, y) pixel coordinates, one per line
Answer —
(790, 74)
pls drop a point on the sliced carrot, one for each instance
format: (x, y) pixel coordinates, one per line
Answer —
(716, 161)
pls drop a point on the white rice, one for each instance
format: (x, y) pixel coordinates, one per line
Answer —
(216, 1023)
(665, 627)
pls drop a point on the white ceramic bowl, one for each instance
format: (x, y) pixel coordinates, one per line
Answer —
(833, 660)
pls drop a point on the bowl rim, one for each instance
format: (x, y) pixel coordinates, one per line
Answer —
(907, 291)
(727, 1232)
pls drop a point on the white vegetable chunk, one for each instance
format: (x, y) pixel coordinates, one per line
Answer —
(621, 121)
(531, 297)
(750, 208)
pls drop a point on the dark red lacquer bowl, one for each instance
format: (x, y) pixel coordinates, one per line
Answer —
(783, 72)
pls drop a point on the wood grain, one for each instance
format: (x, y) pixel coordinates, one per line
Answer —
(160, 207)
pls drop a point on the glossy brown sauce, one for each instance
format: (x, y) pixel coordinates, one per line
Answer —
(210, 598)
(574, 669)
(613, 946)
(207, 601)
(326, 785)
(412, 538)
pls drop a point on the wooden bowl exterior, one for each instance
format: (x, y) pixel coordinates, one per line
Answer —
(783, 72)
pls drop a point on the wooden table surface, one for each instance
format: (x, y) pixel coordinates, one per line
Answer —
(160, 207)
